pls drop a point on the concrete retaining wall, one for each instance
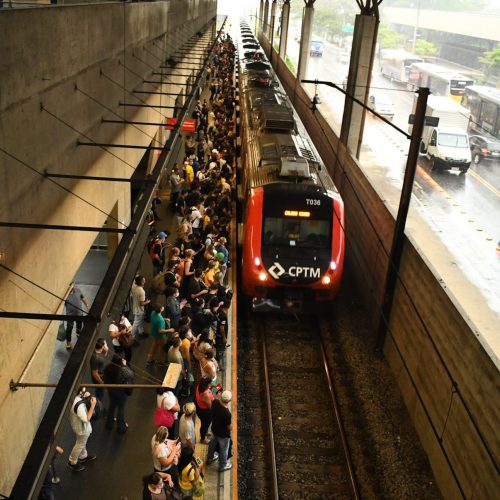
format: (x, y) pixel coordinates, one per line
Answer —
(448, 378)
(63, 69)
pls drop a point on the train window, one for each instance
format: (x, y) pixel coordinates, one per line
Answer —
(290, 232)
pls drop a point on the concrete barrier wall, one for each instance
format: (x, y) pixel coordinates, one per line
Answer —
(63, 69)
(448, 379)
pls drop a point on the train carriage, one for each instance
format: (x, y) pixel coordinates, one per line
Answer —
(293, 222)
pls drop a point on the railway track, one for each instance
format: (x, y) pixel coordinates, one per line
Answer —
(294, 444)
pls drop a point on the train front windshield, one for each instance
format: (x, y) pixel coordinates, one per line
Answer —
(296, 232)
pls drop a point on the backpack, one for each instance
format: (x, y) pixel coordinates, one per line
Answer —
(159, 282)
(151, 246)
(97, 409)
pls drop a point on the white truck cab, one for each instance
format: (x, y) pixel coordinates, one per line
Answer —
(448, 149)
(447, 144)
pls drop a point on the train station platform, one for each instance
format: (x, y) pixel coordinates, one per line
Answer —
(123, 459)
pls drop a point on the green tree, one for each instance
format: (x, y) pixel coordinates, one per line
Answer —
(390, 39)
(455, 5)
(327, 20)
(492, 57)
(425, 48)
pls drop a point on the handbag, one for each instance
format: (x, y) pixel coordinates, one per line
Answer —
(163, 417)
(126, 339)
(61, 332)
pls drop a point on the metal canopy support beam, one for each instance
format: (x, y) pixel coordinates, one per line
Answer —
(133, 105)
(122, 267)
(107, 145)
(398, 237)
(160, 73)
(14, 386)
(153, 92)
(156, 82)
(186, 56)
(131, 122)
(168, 66)
(57, 227)
(189, 51)
(88, 177)
(48, 317)
(182, 67)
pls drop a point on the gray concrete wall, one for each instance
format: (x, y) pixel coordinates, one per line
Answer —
(104, 51)
(431, 348)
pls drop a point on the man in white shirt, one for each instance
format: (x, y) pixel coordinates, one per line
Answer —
(80, 423)
(138, 302)
(187, 432)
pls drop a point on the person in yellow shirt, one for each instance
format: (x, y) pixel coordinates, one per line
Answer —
(190, 480)
(212, 268)
(188, 173)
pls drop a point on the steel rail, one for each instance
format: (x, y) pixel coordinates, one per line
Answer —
(338, 418)
(270, 419)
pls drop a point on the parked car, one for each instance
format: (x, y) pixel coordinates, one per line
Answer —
(484, 148)
(382, 105)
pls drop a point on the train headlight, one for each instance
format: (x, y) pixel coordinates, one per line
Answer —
(326, 280)
(257, 261)
(332, 268)
(262, 276)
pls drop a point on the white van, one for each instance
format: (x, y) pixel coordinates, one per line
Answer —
(449, 149)
(447, 145)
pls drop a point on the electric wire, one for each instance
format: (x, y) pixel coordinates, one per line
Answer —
(7, 268)
(85, 135)
(50, 179)
(123, 118)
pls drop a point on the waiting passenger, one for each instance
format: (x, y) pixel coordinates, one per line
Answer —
(165, 454)
(117, 372)
(203, 400)
(155, 486)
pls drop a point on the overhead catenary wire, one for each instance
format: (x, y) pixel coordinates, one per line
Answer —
(123, 118)
(64, 122)
(7, 268)
(61, 186)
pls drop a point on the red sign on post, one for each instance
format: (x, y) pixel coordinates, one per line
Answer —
(189, 125)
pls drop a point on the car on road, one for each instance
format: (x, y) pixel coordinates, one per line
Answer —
(382, 105)
(317, 48)
(484, 148)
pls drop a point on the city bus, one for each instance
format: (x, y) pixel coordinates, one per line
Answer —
(440, 80)
(395, 64)
(484, 106)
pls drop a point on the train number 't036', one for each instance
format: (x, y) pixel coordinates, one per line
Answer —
(310, 201)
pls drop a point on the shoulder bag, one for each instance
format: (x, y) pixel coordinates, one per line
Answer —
(163, 417)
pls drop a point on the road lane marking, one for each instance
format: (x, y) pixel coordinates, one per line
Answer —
(484, 182)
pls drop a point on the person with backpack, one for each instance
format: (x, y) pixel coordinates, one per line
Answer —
(157, 252)
(80, 417)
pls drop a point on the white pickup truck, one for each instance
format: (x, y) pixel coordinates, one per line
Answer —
(447, 144)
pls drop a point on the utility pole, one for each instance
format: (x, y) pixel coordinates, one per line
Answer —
(399, 228)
